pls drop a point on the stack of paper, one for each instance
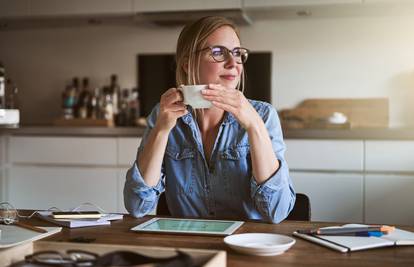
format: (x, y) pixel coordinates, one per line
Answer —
(74, 223)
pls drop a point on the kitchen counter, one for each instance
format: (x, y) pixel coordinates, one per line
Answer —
(75, 131)
(371, 134)
(358, 133)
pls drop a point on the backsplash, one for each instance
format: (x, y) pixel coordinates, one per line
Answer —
(352, 57)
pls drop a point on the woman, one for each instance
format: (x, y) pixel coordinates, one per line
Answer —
(223, 162)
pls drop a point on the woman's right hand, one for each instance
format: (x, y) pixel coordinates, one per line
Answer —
(171, 108)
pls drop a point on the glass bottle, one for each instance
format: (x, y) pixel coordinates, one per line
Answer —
(2, 85)
(108, 108)
(84, 99)
(12, 100)
(116, 93)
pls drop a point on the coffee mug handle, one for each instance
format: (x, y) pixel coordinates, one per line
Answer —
(180, 88)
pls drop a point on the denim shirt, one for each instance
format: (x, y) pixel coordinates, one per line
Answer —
(223, 188)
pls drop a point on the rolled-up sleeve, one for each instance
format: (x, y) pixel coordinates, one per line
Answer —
(139, 198)
(276, 197)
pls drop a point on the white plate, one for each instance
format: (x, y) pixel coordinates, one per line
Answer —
(260, 244)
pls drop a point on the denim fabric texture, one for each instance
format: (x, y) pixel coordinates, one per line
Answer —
(219, 187)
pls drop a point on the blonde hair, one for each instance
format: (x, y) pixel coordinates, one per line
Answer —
(192, 39)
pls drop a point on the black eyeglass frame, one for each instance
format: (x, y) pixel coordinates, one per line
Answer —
(227, 53)
(65, 259)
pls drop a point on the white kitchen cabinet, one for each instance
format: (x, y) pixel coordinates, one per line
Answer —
(127, 150)
(14, 8)
(38, 187)
(120, 189)
(80, 7)
(2, 168)
(335, 155)
(389, 199)
(293, 3)
(184, 5)
(334, 197)
(63, 150)
(393, 2)
(389, 155)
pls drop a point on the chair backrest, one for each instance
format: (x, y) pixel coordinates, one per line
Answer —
(301, 211)
(162, 208)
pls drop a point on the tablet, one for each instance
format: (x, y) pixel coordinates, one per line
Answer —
(189, 226)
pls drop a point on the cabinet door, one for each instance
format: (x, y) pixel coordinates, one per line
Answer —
(34, 187)
(184, 5)
(289, 3)
(121, 182)
(2, 168)
(79, 7)
(395, 156)
(331, 155)
(63, 150)
(334, 197)
(127, 150)
(14, 8)
(389, 199)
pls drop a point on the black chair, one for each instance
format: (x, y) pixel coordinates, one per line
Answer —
(301, 211)
(162, 208)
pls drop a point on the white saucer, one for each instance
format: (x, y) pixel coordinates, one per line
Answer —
(260, 244)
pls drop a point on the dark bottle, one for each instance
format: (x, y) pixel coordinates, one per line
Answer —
(84, 99)
(74, 96)
(2, 86)
(122, 117)
(134, 107)
(12, 100)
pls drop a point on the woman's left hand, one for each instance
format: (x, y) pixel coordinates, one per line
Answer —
(233, 101)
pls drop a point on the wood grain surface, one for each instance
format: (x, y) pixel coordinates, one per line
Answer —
(303, 253)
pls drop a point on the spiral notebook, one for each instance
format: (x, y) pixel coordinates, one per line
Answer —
(345, 244)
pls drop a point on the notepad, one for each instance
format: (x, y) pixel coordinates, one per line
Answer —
(75, 223)
(344, 244)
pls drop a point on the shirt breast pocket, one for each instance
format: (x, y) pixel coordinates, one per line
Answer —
(179, 166)
(236, 166)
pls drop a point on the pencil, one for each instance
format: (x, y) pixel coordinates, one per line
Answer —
(30, 227)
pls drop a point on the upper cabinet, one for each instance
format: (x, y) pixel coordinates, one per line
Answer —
(14, 8)
(79, 7)
(184, 5)
(293, 3)
(54, 8)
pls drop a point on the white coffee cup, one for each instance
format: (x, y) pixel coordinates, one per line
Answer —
(192, 96)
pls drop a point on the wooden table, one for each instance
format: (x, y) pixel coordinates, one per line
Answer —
(303, 253)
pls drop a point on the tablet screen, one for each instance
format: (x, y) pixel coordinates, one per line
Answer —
(195, 226)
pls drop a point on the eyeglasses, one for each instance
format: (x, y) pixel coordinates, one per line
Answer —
(221, 53)
(78, 258)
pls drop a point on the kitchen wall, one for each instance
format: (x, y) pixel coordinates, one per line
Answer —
(342, 57)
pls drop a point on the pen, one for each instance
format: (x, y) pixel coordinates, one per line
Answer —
(343, 230)
(365, 234)
(30, 227)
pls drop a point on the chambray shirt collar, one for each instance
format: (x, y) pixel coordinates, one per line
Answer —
(188, 118)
